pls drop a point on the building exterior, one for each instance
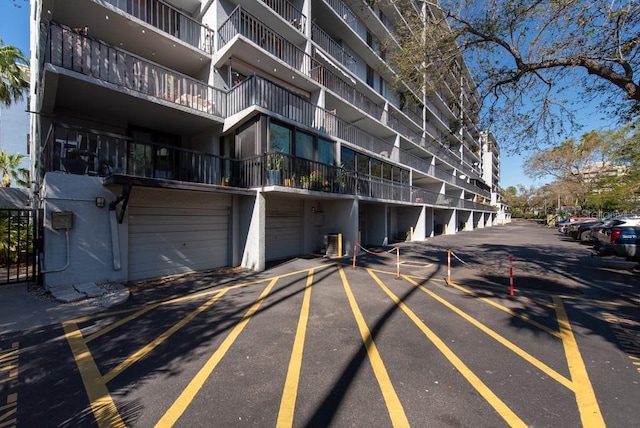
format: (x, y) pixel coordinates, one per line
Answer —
(491, 175)
(185, 135)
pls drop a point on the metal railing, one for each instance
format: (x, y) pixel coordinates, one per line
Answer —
(81, 53)
(80, 151)
(288, 12)
(241, 22)
(332, 47)
(170, 20)
(345, 13)
(18, 261)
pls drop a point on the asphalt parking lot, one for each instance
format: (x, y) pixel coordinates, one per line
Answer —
(315, 342)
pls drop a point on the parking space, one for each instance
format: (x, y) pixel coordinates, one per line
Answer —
(336, 346)
(319, 342)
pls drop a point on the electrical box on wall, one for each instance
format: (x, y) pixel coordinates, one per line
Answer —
(62, 220)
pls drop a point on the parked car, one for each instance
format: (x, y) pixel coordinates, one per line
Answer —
(581, 230)
(600, 234)
(565, 227)
(623, 242)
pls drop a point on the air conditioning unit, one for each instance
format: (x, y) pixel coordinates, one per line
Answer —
(331, 245)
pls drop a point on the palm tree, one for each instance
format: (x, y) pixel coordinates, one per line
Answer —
(10, 169)
(14, 74)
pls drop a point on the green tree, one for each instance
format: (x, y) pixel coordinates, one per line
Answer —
(527, 57)
(11, 170)
(14, 74)
(577, 167)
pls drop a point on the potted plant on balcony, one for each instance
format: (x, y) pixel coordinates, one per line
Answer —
(315, 180)
(304, 182)
(274, 168)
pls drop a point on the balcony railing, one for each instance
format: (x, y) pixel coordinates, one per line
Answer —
(170, 20)
(80, 53)
(332, 47)
(261, 92)
(345, 13)
(240, 22)
(288, 12)
(79, 151)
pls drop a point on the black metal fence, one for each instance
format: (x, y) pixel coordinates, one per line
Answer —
(18, 261)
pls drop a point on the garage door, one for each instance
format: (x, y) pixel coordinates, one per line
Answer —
(283, 234)
(177, 233)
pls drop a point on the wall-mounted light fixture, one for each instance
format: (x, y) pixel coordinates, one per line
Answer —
(100, 202)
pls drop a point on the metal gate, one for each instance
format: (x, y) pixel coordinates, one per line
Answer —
(18, 261)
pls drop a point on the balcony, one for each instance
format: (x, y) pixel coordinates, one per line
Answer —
(242, 23)
(80, 151)
(80, 53)
(289, 13)
(169, 20)
(332, 47)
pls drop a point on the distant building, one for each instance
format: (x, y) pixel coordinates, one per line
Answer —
(491, 175)
(214, 134)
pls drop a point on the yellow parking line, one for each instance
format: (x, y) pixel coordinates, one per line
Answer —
(140, 353)
(500, 339)
(396, 411)
(176, 410)
(290, 391)
(500, 407)
(123, 321)
(102, 405)
(585, 396)
(504, 308)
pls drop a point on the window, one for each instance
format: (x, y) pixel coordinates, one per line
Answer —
(279, 138)
(326, 151)
(348, 159)
(369, 76)
(376, 168)
(304, 145)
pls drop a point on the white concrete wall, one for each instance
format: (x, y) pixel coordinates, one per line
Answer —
(90, 250)
(253, 256)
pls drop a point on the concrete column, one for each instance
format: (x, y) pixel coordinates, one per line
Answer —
(253, 256)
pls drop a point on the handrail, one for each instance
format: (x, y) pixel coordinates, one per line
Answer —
(84, 54)
(170, 20)
(289, 13)
(333, 48)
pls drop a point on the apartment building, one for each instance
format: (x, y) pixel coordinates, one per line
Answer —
(491, 176)
(186, 135)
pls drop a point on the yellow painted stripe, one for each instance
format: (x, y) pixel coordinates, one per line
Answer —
(123, 321)
(290, 392)
(396, 411)
(140, 353)
(504, 308)
(500, 339)
(102, 405)
(585, 395)
(501, 408)
(176, 410)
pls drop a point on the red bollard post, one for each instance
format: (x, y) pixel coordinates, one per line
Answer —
(511, 291)
(448, 267)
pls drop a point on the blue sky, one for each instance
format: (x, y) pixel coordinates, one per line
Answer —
(14, 30)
